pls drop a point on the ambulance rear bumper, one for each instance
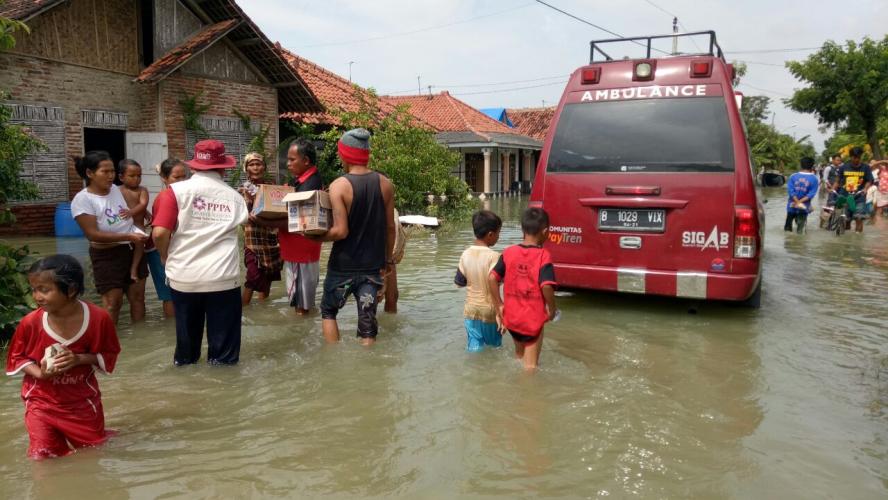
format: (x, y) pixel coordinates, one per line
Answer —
(687, 284)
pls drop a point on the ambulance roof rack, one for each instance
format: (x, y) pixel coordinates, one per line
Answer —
(645, 41)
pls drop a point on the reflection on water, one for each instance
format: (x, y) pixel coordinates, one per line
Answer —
(643, 397)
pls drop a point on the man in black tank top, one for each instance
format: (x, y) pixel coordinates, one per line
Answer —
(363, 233)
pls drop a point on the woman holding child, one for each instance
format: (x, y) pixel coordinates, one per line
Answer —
(103, 214)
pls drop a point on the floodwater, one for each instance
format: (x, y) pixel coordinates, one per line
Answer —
(636, 398)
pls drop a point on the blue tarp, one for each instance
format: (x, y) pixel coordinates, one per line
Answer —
(498, 114)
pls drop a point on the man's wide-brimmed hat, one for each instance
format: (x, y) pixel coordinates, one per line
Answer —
(210, 155)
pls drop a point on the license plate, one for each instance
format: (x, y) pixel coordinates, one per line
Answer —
(622, 219)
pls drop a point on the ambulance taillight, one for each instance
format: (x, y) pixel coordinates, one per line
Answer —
(591, 76)
(701, 69)
(745, 233)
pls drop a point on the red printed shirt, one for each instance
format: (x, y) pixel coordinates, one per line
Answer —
(78, 386)
(524, 271)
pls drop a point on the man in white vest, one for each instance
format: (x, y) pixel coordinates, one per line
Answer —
(195, 230)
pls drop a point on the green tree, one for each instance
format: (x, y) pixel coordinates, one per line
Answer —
(769, 147)
(846, 86)
(404, 151)
(16, 143)
(8, 27)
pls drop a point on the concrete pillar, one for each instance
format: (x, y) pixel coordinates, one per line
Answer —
(507, 172)
(486, 152)
(528, 166)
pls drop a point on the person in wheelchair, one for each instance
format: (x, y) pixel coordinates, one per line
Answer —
(852, 180)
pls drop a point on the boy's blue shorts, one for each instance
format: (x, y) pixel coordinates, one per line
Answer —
(158, 275)
(481, 333)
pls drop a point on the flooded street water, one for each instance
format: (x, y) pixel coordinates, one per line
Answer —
(637, 397)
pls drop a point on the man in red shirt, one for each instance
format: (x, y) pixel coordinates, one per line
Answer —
(301, 256)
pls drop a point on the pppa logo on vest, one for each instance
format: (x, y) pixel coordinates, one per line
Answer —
(211, 210)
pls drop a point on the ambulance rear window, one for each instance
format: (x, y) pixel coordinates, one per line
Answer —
(644, 135)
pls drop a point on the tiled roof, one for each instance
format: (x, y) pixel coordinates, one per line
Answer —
(180, 54)
(504, 140)
(293, 95)
(533, 122)
(333, 91)
(446, 113)
(25, 9)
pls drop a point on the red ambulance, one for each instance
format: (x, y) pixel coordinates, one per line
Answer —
(647, 178)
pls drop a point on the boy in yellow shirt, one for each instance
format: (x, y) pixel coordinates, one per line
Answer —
(475, 265)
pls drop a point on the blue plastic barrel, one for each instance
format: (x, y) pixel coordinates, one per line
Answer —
(65, 225)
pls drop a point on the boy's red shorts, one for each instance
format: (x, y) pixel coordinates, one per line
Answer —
(51, 430)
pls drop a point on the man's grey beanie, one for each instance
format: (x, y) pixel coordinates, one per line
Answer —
(356, 138)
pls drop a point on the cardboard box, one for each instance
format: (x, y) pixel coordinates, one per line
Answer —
(309, 212)
(269, 201)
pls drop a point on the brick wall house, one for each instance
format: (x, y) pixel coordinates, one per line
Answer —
(110, 74)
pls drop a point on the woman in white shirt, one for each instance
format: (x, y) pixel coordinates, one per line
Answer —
(101, 212)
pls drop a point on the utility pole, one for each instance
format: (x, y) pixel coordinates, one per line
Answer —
(675, 38)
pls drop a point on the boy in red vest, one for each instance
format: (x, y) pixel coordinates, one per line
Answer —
(528, 286)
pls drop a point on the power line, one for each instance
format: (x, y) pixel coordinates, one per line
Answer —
(511, 89)
(760, 63)
(502, 83)
(760, 51)
(636, 42)
(493, 84)
(768, 51)
(680, 24)
(568, 14)
(405, 33)
(764, 90)
(661, 9)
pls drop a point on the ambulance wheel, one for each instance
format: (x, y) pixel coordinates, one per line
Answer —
(755, 300)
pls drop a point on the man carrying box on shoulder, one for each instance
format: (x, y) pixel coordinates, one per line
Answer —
(363, 233)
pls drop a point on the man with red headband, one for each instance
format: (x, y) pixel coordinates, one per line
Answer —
(363, 233)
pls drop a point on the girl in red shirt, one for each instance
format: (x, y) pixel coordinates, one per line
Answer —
(63, 405)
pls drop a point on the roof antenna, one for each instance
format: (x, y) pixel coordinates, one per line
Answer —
(418, 86)
(675, 38)
(430, 90)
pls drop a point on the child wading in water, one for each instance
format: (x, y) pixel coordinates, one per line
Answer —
(136, 197)
(262, 253)
(475, 265)
(528, 279)
(63, 406)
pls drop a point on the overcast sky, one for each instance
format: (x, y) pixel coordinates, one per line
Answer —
(518, 53)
